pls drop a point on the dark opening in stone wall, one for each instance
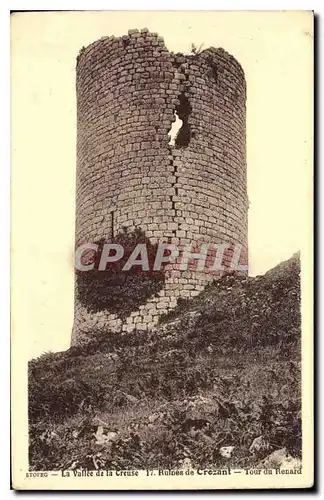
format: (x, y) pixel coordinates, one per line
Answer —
(183, 111)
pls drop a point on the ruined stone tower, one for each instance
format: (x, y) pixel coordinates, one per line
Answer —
(129, 92)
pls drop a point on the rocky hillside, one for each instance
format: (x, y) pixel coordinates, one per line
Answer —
(216, 385)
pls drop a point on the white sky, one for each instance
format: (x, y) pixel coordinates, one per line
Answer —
(275, 50)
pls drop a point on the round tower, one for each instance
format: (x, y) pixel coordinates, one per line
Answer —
(189, 191)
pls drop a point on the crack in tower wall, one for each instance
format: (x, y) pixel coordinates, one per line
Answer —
(128, 90)
(182, 110)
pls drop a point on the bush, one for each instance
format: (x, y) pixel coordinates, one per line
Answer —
(114, 290)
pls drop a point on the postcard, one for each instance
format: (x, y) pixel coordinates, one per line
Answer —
(162, 250)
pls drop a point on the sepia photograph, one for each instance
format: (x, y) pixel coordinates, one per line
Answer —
(162, 246)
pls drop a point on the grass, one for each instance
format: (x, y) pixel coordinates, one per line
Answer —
(221, 370)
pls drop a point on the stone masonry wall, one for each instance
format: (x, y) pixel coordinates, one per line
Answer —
(128, 174)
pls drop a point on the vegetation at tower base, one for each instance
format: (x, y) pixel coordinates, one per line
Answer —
(222, 370)
(113, 289)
